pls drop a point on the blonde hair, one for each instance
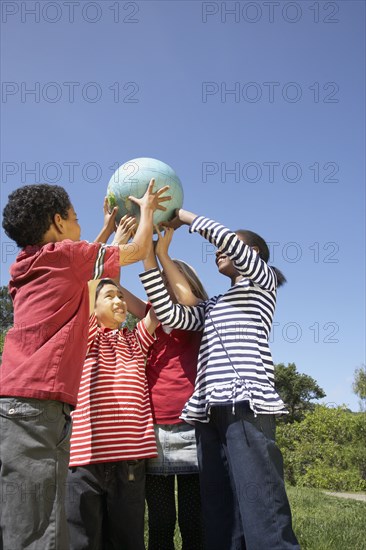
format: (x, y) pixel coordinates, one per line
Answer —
(192, 279)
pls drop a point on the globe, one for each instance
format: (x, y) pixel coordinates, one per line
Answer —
(133, 178)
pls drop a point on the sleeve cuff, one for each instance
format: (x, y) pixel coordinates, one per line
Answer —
(145, 274)
(146, 339)
(194, 225)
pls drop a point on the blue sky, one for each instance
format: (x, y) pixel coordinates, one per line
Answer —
(259, 108)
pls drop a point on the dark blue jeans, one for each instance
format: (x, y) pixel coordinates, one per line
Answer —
(244, 501)
(105, 506)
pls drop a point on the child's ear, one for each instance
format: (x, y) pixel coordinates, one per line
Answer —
(256, 248)
(58, 223)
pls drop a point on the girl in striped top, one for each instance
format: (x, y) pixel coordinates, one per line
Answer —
(234, 403)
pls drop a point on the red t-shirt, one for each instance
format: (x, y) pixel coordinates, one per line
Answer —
(171, 372)
(45, 350)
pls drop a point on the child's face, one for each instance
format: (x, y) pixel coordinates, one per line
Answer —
(110, 307)
(225, 265)
(71, 225)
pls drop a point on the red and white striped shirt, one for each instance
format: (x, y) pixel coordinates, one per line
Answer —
(113, 420)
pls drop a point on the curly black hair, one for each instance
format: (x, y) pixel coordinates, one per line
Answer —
(31, 210)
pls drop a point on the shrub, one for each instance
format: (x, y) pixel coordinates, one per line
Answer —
(326, 450)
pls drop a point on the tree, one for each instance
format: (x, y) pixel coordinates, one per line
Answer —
(131, 321)
(296, 390)
(359, 385)
(6, 309)
(6, 314)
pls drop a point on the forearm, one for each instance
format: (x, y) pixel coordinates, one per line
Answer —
(150, 260)
(92, 286)
(246, 260)
(134, 305)
(103, 235)
(139, 247)
(173, 315)
(151, 321)
(178, 282)
(186, 217)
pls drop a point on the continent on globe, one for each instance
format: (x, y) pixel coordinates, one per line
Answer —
(133, 177)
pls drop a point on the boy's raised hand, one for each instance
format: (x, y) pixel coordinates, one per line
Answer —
(139, 247)
(125, 230)
(152, 199)
(109, 217)
(109, 223)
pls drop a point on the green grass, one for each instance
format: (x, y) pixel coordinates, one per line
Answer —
(321, 522)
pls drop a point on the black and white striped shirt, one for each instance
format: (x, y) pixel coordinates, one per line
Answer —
(234, 362)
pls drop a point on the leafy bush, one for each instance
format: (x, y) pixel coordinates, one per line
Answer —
(326, 450)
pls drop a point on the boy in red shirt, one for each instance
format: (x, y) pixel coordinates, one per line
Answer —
(44, 353)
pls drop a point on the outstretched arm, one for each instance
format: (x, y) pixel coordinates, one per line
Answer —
(177, 281)
(168, 313)
(151, 321)
(135, 305)
(124, 231)
(150, 260)
(138, 248)
(109, 224)
(182, 217)
(246, 260)
(138, 308)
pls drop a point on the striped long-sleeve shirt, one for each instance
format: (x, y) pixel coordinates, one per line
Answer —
(234, 362)
(113, 419)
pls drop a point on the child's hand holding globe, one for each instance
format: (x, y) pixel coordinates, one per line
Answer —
(133, 177)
